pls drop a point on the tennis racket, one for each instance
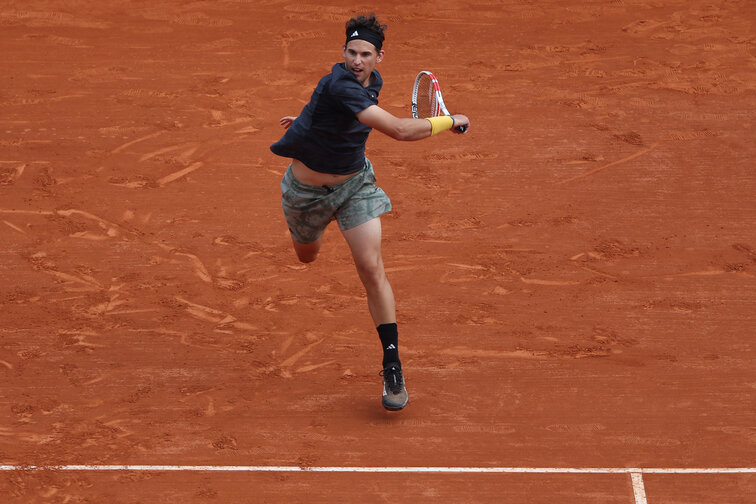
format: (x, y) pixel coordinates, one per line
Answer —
(427, 100)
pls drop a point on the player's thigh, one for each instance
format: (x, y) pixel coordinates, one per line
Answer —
(366, 201)
(365, 243)
(308, 209)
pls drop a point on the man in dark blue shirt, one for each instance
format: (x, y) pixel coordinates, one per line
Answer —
(326, 136)
(330, 178)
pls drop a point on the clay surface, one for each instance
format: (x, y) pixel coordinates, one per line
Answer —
(575, 277)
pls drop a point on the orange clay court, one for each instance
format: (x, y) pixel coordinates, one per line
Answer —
(575, 277)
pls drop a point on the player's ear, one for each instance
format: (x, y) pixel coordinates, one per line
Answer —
(380, 56)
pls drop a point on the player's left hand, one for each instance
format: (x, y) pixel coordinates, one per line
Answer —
(286, 121)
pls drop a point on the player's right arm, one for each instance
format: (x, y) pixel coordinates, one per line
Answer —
(399, 128)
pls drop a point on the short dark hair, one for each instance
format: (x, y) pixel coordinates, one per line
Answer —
(370, 22)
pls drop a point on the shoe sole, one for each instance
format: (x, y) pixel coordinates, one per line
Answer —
(391, 407)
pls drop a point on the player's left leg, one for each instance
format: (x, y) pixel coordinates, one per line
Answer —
(365, 243)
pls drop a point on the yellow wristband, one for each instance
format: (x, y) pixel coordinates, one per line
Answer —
(440, 123)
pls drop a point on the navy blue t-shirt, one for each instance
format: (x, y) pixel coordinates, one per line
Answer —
(327, 137)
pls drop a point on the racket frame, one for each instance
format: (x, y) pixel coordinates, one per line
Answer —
(440, 108)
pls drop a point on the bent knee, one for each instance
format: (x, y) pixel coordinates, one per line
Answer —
(307, 252)
(307, 257)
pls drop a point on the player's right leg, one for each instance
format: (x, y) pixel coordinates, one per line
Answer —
(308, 210)
(307, 252)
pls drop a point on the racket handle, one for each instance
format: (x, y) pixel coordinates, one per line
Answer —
(459, 129)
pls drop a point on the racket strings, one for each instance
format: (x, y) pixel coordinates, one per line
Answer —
(427, 104)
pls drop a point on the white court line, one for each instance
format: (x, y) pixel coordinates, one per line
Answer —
(636, 474)
(334, 469)
(639, 490)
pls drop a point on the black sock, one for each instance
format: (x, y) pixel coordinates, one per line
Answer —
(389, 335)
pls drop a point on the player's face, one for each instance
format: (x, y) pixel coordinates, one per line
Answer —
(361, 57)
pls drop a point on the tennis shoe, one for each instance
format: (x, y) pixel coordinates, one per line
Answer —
(395, 396)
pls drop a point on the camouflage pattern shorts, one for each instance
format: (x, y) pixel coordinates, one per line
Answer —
(309, 209)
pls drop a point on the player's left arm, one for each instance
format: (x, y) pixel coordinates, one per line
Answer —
(400, 128)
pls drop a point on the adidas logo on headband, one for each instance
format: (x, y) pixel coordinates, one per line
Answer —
(372, 36)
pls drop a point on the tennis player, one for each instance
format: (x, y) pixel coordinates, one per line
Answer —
(330, 178)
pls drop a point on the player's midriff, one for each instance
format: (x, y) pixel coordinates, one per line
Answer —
(311, 177)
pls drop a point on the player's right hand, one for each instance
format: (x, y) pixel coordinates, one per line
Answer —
(460, 120)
